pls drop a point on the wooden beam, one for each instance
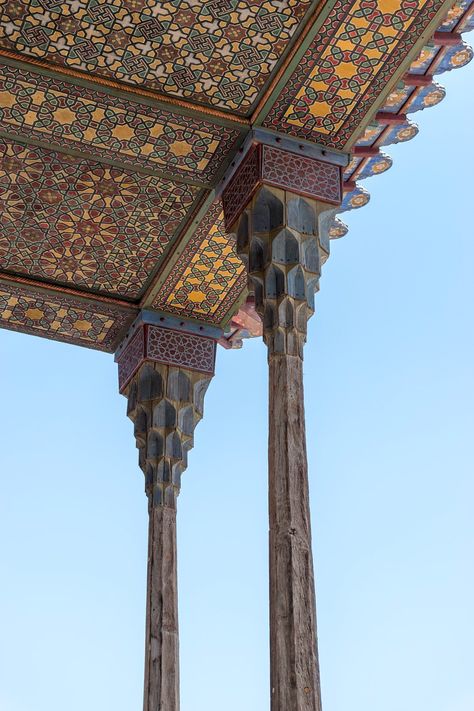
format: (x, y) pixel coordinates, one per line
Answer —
(295, 680)
(446, 39)
(418, 79)
(349, 185)
(388, 118)
(366, 151)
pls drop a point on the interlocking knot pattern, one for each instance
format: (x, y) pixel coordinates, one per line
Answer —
(219, 53)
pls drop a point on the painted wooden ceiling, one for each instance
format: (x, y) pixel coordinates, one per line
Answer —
(119, 120)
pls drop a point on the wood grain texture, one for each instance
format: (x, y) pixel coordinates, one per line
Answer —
(283, 241)
(165, 404)
(162, 636)
(295, 683)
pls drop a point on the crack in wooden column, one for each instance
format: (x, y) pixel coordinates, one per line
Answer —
(281, 238)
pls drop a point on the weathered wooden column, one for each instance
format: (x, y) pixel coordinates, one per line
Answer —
(273, 205)
(164, 374)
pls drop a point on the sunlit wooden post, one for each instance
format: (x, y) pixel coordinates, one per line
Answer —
(164, 374)
(273, 205)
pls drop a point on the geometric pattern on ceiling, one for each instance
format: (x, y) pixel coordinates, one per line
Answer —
(413, 94)
(355, 53)
(209, 277)
(84, 224)
(72, 117)
(409, 96)
(63, 316)
(219, 53)
(72, 221)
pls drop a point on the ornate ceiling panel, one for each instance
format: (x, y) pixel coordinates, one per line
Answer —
(84, 224)
(354, 55)
(63, 316)
(114, 136)
(209, 277)
(218, 53)
(72, 117)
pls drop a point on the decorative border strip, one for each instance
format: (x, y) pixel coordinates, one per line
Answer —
(275, 119)
(161, 299)
(63, 316)
(37, 107)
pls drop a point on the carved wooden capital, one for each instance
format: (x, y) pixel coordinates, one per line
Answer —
(268, 165)
(167, 346)
(278, 238)
(164, 374)
(165, 404)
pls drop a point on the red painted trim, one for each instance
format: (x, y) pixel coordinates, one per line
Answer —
(366, 151)
(385, 117)
(349, 185)
(418, 79)
(447, 39)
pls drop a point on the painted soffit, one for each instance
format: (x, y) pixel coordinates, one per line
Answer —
(216, 54)
(107, 185)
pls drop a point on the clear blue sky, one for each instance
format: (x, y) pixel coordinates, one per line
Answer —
(390, 415)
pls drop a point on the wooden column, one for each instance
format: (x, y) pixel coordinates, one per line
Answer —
(278, 237)
(293, 637)
(165, 403)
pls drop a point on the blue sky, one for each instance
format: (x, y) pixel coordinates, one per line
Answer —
(389, 400)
